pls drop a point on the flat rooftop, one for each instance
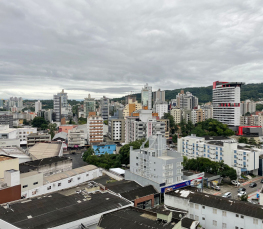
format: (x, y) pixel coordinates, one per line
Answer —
(131, 217)
(44, 150)
(33, 165)
(56, 209)
(12, 150)
(122, 186)
(139, 192)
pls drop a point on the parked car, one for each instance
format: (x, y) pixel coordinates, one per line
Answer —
(241, 190)
(241, 193)
(234, 182)
(216, 187)
(227, 195)
(261, 181)
(253, 184)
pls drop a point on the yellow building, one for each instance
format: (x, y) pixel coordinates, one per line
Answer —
(7, 163)
(131, 107)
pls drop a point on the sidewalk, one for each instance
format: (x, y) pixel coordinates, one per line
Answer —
(252, 180)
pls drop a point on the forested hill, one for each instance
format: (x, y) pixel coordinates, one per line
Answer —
(204, 94)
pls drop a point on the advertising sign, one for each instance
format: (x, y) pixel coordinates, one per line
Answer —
(195, 182)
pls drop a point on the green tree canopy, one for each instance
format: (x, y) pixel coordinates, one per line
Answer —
(40, 123)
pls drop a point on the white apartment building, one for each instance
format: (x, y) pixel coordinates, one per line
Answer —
(161, 108)
(226, 102)
(76, 137)
(177, 114)
(146, 96)
(235, 155)
(116, 130)
(38, 106)
(247, 106)
(22, 133)
(186, 100)
(61, 106)
(215, 211)
(95, 129)
(159, 96)
(155, 165)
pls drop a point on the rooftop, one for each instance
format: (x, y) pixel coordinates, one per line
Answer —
(5, 157)
(33, 165)
(236, 206)
(103, 143)
(44, 150)
(130, 218)
(12, 150)
(67, 174)
(139, 192)
(216, 138)
(29, 174)
(62, 135)
(56, 209)
(122, 186)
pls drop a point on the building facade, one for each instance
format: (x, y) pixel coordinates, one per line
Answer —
(61, 106)
(89, 105)
(104, 108)
(239, 157)
(146, 96)
(226, 102)
(247, 106)
(116, 130)
(155, 165)
(159, 96)
(76, 138)
(104, 147)
(95, 129)
(38, 106)
(186, 100)
(161, 108)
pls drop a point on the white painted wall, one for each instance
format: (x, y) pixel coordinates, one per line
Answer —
(62, 184)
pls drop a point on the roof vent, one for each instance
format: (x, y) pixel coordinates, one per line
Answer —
(29, 217)
(206, 195)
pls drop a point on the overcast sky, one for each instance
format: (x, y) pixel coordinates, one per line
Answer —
(108, 47)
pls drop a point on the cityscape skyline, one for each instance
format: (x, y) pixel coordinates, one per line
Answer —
(113, 48)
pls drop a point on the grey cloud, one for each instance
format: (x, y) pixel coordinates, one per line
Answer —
(110, 47)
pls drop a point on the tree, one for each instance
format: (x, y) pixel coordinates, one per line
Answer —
(25, 122)
(105, 122)
(252, 141)
(243, 140)
(82, 121)
(173, 126)
(52, 128)
(175, 138)
(87, 153)
(40, 123)
(244, 197)
(71, 121)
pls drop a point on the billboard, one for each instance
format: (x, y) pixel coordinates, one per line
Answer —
(196, 181)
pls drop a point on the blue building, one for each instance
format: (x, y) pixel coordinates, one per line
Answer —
(104, 147)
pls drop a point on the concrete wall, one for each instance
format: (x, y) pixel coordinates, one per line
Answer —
(60, 166)
(62, 184)
(6, 225)
(12, 163)
(10, 194)
(32, 182)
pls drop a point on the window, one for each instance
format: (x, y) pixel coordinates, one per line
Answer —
(203, 207)
(214, 211)
(224, 225)
(137, 164)
(25, 186)
(203, 218)
(237, 215)
(223, 213)
(191, 216)
(87, 175)
(255, 221)
(49, 187)
(242, 217)
(197, 217)
(236, 227)
(59, 184)
(191, 205)
(214, 222)
(35, 183)
(69, 181)
(136, 157)
(196, 206)
(78, 178)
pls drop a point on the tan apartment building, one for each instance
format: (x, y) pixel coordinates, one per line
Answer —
(95, 129)
(177, 114)
(131, 107)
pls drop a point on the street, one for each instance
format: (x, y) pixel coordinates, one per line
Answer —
(251, 192)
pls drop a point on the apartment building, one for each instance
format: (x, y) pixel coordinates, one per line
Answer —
(89, 105)
(214, 211)
(6, 118)
(159, 96)
(38, 106)
(177, 115)
(95, 129)
(238, 156)
(161, 107)
(116, 129)
(226, 102)
(155, 165)
(61, 106)
(22, 133)
(136, 129)
(186, 100)
(247, 106)
(76, 138)
(131, 107)
(146, 96)
(33, 138)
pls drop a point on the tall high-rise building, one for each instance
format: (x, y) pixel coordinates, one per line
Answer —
(1, 103)
(146, 96)
(247, 106)
(161, 107)
(89, 105)
(159, 96)
(104, 107)
(38, 106)
(186, 100)
(226, 102)
(95, 129)
(60, 106)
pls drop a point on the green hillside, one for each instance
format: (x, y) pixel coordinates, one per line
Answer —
(204, 94)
